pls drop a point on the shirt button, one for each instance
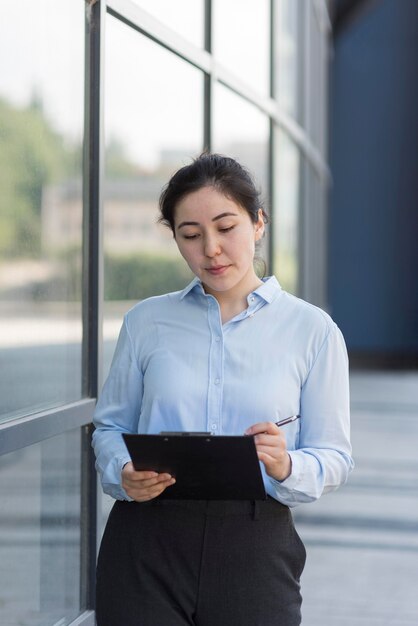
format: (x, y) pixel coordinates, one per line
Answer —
(217, 338)
(214, 426)
(217, 381)
(252, 299)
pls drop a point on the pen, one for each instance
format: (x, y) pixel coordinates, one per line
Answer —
(287, 420)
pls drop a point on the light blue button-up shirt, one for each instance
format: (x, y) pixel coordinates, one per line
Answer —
(177, 367)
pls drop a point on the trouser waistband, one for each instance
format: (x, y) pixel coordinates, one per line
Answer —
(223, 508)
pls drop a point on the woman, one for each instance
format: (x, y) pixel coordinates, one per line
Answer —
(230, 354)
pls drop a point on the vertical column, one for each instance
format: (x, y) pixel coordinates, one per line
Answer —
(208, 81)
(92, 279)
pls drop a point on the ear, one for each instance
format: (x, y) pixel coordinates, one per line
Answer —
(259, 225)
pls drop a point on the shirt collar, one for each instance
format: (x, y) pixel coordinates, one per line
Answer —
(195, 286)
(268, 291)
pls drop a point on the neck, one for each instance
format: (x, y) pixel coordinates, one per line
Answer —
(232, 303)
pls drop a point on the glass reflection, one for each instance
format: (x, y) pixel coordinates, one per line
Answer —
(40, 520)
(241, 131)
(41, 120)
(288, 68)
(316, 80)
(241, 40)
(186, 17)
(153, 125)
(286, 212)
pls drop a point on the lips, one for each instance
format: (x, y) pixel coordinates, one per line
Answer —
(216, 270)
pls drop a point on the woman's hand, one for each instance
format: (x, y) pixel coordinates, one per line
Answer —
(143, 486)
(270, 444)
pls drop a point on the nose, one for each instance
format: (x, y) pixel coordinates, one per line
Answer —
(212, 246)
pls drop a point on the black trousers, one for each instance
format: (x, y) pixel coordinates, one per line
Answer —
(199, 563)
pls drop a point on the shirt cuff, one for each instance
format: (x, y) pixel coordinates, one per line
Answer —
(115, 489)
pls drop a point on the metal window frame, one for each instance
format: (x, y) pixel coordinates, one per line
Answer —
(93, 169)
(87, 618)
(149, 26)
(33, 428)
(272, 140)
(208, 80)
(26, 431)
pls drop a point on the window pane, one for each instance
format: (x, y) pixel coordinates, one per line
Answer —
(242, 40)
(153, 125)
(241, 131)
(314, 272)
(316, 82)
(41, 121)
(289, 27)
(186, 17)
(286, 212)
(40, 520)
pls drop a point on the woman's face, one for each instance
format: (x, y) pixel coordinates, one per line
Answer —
(217, 237)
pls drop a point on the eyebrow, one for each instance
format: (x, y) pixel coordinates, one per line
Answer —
(214, 219)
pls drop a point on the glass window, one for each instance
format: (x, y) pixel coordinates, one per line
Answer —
(286, 211)
(40, 521)
(153, 125)
(241, 131)
(316, 80)
(323, 111)
(41, 125)
(288, 54)
(241, 40)
(315, 245)
(186, 17)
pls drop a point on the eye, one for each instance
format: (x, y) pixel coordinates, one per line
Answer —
(190, 236)
(226, 230)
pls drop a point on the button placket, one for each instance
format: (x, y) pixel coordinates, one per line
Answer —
(215, 383)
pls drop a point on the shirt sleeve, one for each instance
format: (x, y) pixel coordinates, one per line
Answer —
(322, 460)
(117, 412)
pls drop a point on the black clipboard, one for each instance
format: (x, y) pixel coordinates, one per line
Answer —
(206, 467)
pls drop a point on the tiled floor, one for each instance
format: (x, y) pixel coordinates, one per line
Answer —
(362, 541)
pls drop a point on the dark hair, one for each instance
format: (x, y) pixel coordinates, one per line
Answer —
(211, 170)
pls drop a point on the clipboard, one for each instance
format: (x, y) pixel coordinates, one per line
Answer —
(206, 467)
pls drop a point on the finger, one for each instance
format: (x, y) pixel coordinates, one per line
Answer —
(268, 439)
(150, 493)
(280, 469)
(141, 476)
(262, 427)
(149, 477)
(129, 470)
(155, 490)
(265, 457)
(156, 483)
(147, 486)
(141, 494)
(135, 486)
(255, 429)
(272, 453)
(163, 485)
